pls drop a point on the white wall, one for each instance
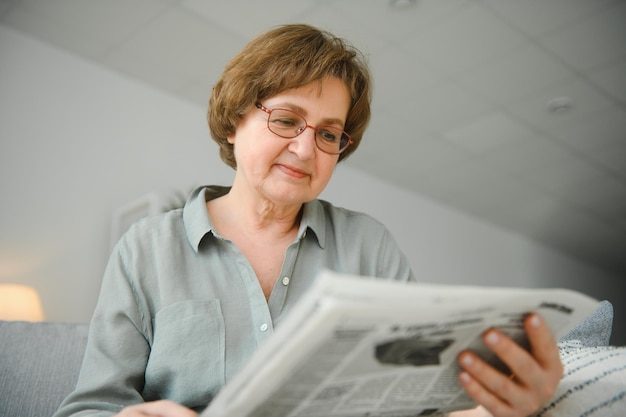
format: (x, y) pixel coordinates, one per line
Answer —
(78, 141)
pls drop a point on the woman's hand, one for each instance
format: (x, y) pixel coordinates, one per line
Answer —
(157, 409)
(536, 373)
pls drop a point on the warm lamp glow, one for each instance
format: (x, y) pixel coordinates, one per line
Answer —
(19, 302)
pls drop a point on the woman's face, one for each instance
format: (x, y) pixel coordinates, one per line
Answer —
(290, 171)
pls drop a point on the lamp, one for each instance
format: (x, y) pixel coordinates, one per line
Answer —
(19, 302)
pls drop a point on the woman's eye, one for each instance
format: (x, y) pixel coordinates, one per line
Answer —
(328, 135)
(284, 122)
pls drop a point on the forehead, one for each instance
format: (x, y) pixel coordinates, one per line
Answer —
(324, 98)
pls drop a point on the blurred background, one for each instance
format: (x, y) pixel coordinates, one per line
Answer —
(496, 152)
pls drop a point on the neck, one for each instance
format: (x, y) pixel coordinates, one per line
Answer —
(255, 215)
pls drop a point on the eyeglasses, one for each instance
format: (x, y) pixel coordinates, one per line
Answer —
(289, 124)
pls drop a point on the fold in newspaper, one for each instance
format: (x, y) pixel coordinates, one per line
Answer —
(356, 346)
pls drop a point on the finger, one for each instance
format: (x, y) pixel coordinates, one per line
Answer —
(540, 368)
(161, 408)
(519, 361)
(543, 344)
(502, 394)
(474, 412)
(535, 379)
(132, 411)
(545, 352)
(479, 393)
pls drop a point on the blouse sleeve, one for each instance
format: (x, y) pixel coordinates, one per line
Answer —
(392, 262)
(112, 374)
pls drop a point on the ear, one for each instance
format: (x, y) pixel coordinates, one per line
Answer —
(231, 139)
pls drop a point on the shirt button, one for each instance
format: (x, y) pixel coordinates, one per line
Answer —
(263, 327)
(285, 280)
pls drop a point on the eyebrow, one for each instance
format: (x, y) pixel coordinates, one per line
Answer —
(325, 122)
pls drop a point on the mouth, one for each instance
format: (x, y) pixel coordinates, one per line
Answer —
(293, 171)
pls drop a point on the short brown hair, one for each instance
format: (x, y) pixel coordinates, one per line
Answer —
(287, 57)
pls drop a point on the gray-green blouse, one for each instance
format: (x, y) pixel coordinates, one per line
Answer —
(181, 310)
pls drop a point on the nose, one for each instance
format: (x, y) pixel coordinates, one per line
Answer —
(304, 145)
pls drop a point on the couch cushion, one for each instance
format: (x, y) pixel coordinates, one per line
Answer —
(593, 384)
(39, 365)
(595, 329)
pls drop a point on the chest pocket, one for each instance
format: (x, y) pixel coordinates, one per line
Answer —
(186, 362)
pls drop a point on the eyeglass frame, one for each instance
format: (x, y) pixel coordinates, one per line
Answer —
(301, 130)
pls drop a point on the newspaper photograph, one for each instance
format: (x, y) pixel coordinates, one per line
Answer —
(354, 348)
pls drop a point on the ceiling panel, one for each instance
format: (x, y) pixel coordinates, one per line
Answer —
(392, 64)
(442, 107)
(538, 18)
(462, 99)
(526, 154)
(464, 40)
(248, 19)
(494, 130)
(344, 24)
(595, 41)
(593, 130)
(517, 74)
(585, 100)
(400, 23)
(89, 28)
(612, 156)
(156, 52)
(611, 79)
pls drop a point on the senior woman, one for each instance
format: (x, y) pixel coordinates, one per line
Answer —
(188, 296)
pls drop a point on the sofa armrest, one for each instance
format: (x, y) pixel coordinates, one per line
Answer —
(39, 365)
(595, 329)
(594, 381)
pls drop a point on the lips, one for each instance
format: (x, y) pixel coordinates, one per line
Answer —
(293, 171)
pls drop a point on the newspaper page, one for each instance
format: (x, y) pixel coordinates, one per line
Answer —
(365, 347)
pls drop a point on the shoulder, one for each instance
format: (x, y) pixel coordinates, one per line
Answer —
(363, 244)
(153, 231)
(340, 216)
(337, 223)
(167, 222)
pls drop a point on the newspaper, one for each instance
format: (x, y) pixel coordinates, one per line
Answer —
(356, 346)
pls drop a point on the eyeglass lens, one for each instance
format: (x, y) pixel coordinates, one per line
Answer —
(288, 124)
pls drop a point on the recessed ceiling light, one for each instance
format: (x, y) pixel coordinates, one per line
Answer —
(401, 4)
(560, 105)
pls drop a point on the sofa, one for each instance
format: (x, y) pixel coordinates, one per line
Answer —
(39, 365)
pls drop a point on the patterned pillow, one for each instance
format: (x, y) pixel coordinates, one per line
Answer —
(593, 384)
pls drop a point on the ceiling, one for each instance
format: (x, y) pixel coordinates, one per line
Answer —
(511, 111)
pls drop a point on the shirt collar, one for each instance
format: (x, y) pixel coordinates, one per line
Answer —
(314, 219)
(195, 215)
(198, 223)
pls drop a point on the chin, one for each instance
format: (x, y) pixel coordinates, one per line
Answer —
(289, 196)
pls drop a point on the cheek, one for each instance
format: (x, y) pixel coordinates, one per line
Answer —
(326, 169)
(256, 157)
